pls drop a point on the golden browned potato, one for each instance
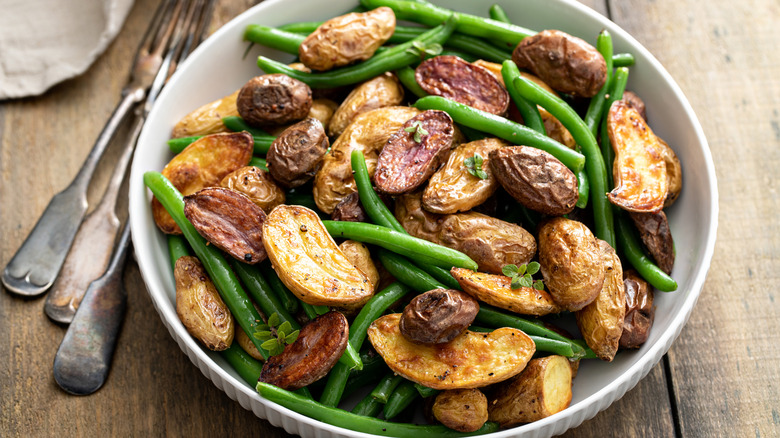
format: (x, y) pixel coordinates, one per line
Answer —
(565, 62)
(496, 290)
(308, 261)
(207, 119)
(247, 345)
(639, 169)
(367, 133)
(464, 410)
(542, 389)
(381, 91)
(571, 262)
(296, 154)
(348, 38)
(357, 253)
(490, 242)
(203, 164)
(471, 360)
(438, 316)
(640, 312)
(556, 130)
(319, 346)
(453, 189)
(601, 322)
(323, 110)
(657, 237)
(452, 77)
(255, 184)
(673, 173)
(273, 99)
(635, 102)
(199, 306)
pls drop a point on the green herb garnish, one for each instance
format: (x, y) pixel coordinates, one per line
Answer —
(474, 166)
(418, 131)
(522, 276)
(422, 49)
(275, 336)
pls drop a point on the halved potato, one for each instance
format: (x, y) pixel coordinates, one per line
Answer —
(358, 254)
(673, 173)
(203, 164)
(471, 360)
(542, 389)
(496, 290)
(308, 261)
(639, 168)
(207, 119)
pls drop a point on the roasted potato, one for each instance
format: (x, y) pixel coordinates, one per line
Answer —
(308, 261)
(247, 345)
(199, 306)
(438, 316)
(639, 169)
(207, 119)
(452, 189)
(296, 154)
(496, 290)
(319, 346)
(490, 242)
(458, 80)
(571, 262)
(601, 322)
(381, 91)
(257, 185)
(273, 99)
(323, 110)
(347, 38)
(203, 164)
(368, 133)
(542, 389)
(673, 173)
(350, 210)
(358, 254)
(471, 360)
(566, 63)
(414, 152)
(464, 410)
(229, 221)
(640, 312)
(536, 179)
(657, 237)
(635, 102)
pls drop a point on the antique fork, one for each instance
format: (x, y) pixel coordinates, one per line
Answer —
(84, 357)
(34, 267)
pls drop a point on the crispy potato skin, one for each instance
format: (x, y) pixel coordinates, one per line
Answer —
(199, 306)
(452, 189)
(496, 290)
(471, 360)
(203, 164)
(257, 185)
(536, 179)
(369, 134)
(491, 242)
(273, 99)
(379, 92)
(640, 312)
(601, 322)
(207, 119)
(347, 38)
(350, 210)
(308, 261)
(246, 344)
(438, 316)
(296, 154)
(464, 410)
(458, 80)
(635, 102)
(319, 345)
(673, 173)
(541, 390)
(657, 237)
(323, 110)
(571, 262)
(228, 220)
(567, 63)
(639, 169)
(357, 253)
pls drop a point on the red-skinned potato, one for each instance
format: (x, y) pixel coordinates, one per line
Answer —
(273, 99)
(496, 290)
(640, 312)
(350, 210)
(296, 154)
(438, 316)
(657, 237)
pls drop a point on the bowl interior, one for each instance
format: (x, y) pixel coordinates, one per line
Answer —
(218, 67)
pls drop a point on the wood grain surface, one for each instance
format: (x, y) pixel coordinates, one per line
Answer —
(720, 378)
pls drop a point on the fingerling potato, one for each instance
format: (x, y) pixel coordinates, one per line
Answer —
(496, 290)
(207, 119)
(464, 410)
(381, 91)
(257, 185)
(357, 253)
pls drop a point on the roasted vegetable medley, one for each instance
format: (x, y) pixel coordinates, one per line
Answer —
(416, 209)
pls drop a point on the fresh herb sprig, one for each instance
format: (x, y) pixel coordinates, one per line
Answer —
(522, 276)
(474, 166)
(275, 336)
(425, 50)
(418, 130)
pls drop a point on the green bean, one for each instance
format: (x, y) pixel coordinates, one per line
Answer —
(259, 163)
(368, 407)
(399, 56)
(177, 248)
(583, 189)
(313, 311)
(372, 371)
(386, 387)
(497, 13)
(594, 164)
(424, 391)
(632, 249)
(212, 259)
(406, 76)
(237, 124)
(261, 144)
(304, 199)
(596, 107)
(274, 38)
(529, 111)
(447, 51)
(471, 133)
(350, 421)
(245, 365)
(376, 210)
(306, 27)
(285, 296)
(405, 272)
(261, 291)
(503, 128)
(622, 60)
(417, 249)
(468, 44)
(619, 82)
(402, 397)
(441, 275)
(334, 386)
(431, 15)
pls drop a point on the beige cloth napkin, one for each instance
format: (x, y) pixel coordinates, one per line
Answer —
(44, 42)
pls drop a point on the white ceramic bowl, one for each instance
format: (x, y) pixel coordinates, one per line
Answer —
(219, 67)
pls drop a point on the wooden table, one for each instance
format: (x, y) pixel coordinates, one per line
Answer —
(720, 378)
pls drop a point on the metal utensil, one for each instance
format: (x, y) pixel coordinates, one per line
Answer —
(34, 267)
